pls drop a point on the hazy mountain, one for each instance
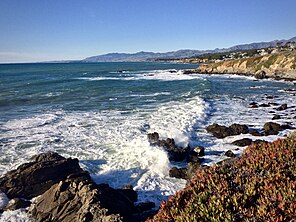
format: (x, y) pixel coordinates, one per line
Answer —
(151, 56)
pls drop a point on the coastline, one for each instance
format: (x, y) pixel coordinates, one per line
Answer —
(278, 66)
(276, 106)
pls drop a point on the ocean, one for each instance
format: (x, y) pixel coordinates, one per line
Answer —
(101, 113)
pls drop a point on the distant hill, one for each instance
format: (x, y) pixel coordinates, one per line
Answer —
(187, 53)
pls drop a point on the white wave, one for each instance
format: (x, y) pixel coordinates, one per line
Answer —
(163, 75)
(112, 145)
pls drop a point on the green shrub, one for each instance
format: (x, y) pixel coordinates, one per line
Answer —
(258, 186)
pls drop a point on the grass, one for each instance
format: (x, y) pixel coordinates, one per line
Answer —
(258, 186)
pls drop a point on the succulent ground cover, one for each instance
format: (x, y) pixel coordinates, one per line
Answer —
(258, 186)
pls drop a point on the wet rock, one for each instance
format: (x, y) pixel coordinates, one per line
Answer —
(229, 153)
(276, 117)
(153, 138)
(243, 142)
(17, 203)
(199, 150)
(223, 131)
(145, 206)
(260, 75)
(195, 154)
(273, 104)
(77, 199)
(264, 105)
(269, 97)
(129, 192)
(253, 104)
(254, 132)
(175, 153)
(180, 173)
(34, 178)
(282, 107)
(271, 128)
(219, 131)
(239, 129)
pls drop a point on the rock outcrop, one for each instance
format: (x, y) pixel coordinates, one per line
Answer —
(34, 178)
(224, 131)
(175, 153)
(280, 65)
(67, 193)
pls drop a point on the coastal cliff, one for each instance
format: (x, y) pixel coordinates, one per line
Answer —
(281, 65)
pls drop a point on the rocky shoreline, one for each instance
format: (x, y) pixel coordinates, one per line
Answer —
(278, 66)
(62, 191)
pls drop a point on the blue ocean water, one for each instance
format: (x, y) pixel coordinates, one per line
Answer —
(102, 112)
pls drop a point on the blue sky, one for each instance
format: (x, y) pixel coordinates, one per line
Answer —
(38, 30)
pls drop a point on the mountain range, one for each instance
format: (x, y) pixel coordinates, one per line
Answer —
(187, 53)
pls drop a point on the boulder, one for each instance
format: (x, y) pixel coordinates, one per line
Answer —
(254, 132)
(219, 131)
(175, 153)
(282, 107)
(180, 173)
(276, 117)
(239, 129)
(253, 104)
(153, 138)
(229, 153)
(144, 206)
(260, 74)
(264, 105)
(199, 150)
(32, 179)
(271, 128)
(129, 192)
(243, 142)
(223, 131)
(81, 200)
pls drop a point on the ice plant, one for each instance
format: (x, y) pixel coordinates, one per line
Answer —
(258, 186)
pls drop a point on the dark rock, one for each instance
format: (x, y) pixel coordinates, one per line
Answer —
(34, 178)
(173, 71)
(269, 97)
(175, 153)
(129, 192)
(17, 203)
(253, 104)
(229, 153)
(153, 138)
(271, 128)
(81, 200)
(188, 72)
(260, 75)
(276, 117)
(180, 173)
(223, 131)
(282, 107)
(286, 126)
(255, 133)
(219, 131)
(273, 104)
(264, 105)
(199, 150)
(243, 142)
(239, 129)
(144, 206)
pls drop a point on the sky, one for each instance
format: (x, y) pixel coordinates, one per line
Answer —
(43, 30)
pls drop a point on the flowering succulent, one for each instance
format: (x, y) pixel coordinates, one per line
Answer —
(258, 186)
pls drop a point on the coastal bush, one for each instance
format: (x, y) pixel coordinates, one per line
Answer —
(258, 186)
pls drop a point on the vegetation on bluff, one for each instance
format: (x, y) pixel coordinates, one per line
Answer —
(258, 186)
